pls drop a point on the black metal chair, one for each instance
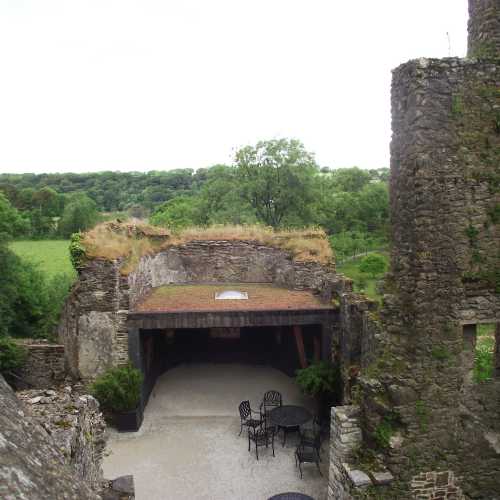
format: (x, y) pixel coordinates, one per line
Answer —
(310, 436)
(246, 416)
(261, 436)
(305, 454)
(271, 400)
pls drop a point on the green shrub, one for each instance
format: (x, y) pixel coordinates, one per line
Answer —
(386, 429)
(383, 433)
(118, 389)
(483, 360)
(12, 355)
(77, 250)
(318, 378)
(373, 264)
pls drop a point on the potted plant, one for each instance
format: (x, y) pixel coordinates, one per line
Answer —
(320, 380)
(118, 391)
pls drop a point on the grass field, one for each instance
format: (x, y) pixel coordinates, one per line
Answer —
(350, 268)
(51, 255)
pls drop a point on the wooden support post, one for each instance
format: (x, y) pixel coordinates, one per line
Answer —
(299, 340)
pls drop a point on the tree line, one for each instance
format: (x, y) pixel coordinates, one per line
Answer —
(276, 183)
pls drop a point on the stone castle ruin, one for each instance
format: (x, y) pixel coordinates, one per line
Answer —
(439, 430)
(118, 312)
(414, 423)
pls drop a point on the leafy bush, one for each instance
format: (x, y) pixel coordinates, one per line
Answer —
(373, 264)
(12, 355)
(76, 250)
(318, 378)
(383, 433)
(56, 291)
(483, 360)
(118, 389)
(79, 214)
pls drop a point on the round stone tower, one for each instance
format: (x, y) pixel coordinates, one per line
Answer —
(484, 29)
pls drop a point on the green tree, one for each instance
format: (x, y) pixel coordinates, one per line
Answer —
(220, 199)
(373, 207)
(277, 180)
(11, 222)
(177, 213)
(373, 264)
(79, 214)
(351, 179)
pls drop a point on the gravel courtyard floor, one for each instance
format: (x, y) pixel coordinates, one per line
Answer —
(188, 446)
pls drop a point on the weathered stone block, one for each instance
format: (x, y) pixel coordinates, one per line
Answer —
(96, 334)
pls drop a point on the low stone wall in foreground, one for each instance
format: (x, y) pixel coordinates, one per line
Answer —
(76, 426)
(44, 366)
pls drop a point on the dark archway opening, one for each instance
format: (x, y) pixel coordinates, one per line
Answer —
(275, 346)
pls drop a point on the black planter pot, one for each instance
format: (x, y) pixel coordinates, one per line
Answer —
(129, 421)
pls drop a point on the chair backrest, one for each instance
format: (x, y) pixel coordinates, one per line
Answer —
(244, 409)
(272, 398)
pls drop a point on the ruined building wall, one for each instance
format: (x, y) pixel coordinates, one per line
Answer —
(44, 365)
(93, 326)
(76, 426)
(484, 28)
(226, 262)
(31, 463)
(420, 403)
(93, 322)
(445, 263)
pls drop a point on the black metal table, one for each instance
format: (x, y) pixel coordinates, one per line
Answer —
(289, 418)
(291, 496)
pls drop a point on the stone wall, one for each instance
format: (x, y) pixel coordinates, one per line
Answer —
(347, 477)
(93, 325)
(93, 322)
(359, 333)
(31, 464)
(420, 405)
(225, 262)
(484, 28)
(76, 427)
(436, 485)
(44, 366)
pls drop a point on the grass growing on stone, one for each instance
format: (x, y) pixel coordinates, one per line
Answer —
(131, 241)
(52, 256)
(485, 345)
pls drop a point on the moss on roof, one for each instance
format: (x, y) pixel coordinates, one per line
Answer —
(261, 297)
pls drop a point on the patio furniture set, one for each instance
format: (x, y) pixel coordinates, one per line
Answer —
(274, 417)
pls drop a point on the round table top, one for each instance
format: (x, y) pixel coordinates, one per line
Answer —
(291, 496)
(290, 416)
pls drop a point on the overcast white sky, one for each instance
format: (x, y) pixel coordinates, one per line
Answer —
(93, 85)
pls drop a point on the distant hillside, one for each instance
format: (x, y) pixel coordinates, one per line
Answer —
(113, 191)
